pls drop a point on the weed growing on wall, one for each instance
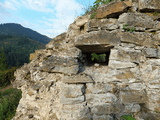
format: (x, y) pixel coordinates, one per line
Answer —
(128, 28)
(127, 117)
(98, 57)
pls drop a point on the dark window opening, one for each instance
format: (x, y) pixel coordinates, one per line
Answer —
(82, 28)
(90, 59)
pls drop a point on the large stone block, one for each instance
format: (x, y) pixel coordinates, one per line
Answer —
(137, 20)
(120, 64)
(132, 108)
(153, 95)
(102, 117)
(131, 38)
(113, 54)
(101, 74)
(36, 54)
(75, 112)
(156, 36)
(73, 30)
(101, 98)
(103, 109)
(56, 42)
(103, 24)
(66, 65)
(77, 79)
(80, 21)
(138, 38)
(154, 86)
(100, 88)
(126, 55)
(71, 90)
(33, 56)
(113, 9)
(67, 101)
(132, 86)
(133, 97)
(154, 62)
(149, 5)
(109, 24)
(150, 52)
(98, 41)
(154, 107)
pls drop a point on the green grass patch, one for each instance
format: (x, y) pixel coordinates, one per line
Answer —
(128, 28)
(127, 117)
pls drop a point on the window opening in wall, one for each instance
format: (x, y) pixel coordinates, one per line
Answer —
(100, 58)
(82, 28)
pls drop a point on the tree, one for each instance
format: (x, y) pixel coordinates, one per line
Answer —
(3, 60)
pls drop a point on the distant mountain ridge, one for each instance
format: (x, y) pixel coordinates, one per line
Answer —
(15, 29)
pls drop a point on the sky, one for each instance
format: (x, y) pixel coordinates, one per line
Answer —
(48, 17)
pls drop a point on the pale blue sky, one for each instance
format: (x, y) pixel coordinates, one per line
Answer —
(48, 17)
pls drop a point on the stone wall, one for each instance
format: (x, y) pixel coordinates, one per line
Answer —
(63, 83)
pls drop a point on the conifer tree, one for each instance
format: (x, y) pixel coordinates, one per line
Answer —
(3, 60)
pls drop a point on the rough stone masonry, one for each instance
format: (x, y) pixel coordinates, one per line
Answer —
(63, 83)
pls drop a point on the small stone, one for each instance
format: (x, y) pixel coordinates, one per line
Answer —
(96, 65)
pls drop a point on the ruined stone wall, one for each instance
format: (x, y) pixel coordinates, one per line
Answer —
(63, 83)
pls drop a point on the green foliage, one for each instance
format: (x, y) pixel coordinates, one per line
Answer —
(15, 50)
(128, 28)
(7, 76)
(98, 57)
(9, 101)
(92, 15)
(3, 60)
(127, 117)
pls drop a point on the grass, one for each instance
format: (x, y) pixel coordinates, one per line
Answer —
(9, 100)
(127, 117)
(128, 28)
